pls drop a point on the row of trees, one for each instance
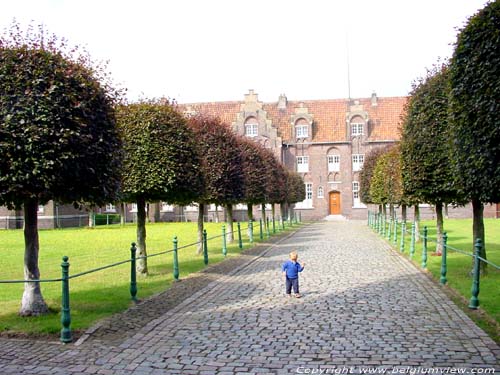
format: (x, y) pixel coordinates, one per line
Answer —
(450, 147)
(66, 135)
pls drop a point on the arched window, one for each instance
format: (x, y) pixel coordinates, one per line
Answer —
(251, 127)
(321, 194)
(357, 126)
(301, 128)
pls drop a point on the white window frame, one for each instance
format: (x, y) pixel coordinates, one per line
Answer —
(252, 129)
(357, 162)
(333, 163)
(240, 206)
(193, 207)
(357, 128)
(308, 201)
(41, 209)
(110, 207)
(302, 164)
(267, 207)
(302, 131)
(133, 207)
(166, 207)
(321, 192)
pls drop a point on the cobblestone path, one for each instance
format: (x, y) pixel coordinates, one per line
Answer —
(363, 307)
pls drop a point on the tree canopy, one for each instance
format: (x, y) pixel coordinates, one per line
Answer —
(365, 175)
(386, 184)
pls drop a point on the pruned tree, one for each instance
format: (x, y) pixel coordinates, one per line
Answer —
(365, 175)
(426, 165)
(275, 186)
(474, 109)
(254, 172)
(221, 167)
(295, 191)
(58, 139)
(386, 183)
(161, 161)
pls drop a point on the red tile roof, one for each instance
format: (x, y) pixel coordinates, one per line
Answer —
(329, 116)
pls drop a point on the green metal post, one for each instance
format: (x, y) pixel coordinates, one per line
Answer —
(65, 311)
(412, 241)
(403, 230)
(240, 243)
(205, 247)
(224, 245)
(395, 237)
(267, 228)
(133, 279)
(261, 235)
(176, 260)
(444, 270)
(274, 226)
(474, 301)
(424, 249)
(250, 231)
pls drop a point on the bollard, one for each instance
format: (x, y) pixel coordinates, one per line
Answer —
(395, 237)
(274, 226)
(474, 301)
(205, 247)
(267, 228)
(424, 249)
(65, 311)
(403, 230)
(240, 243)
(250, 231)
(261, 235)
(176, 260)
(443, 280)
(133, 282)
(224, 245)
(412, 241)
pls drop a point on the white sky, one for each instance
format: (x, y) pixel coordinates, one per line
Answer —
(201, 50)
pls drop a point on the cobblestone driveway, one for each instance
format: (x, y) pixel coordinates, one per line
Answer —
(363, 307)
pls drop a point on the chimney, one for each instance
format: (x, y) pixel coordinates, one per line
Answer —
(374, 99)
(282, 102)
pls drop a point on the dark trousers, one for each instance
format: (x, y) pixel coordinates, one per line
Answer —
(292, 283)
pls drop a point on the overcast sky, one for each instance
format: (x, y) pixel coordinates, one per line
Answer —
(201, 50)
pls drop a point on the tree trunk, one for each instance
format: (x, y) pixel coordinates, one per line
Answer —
(439, 228)
(216, 213)
(91, 217)
(446, 211)
(263, 215)
(123, 218)
(142, 264)
(478, 229)
(156, 213)
(283, 210)
(229, 232)
(32, 303)
(201, 210)
(404, 216)
(384, 211)
(379, 208)
(416, 217)
(250, 216)
(273, 211)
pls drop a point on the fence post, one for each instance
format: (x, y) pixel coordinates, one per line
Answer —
(133, 279)
(65, 311)
(395, 237)
(205, 247)
(250, 231)
(412, 241)
(443, 280)
(240, 243)
(424, 249)
(403, 230)
(261, 235)
(474, 301)
(176, 260)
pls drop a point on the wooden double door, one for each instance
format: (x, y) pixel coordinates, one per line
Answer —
(335, 208)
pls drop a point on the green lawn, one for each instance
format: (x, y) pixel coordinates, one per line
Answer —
(460, 265)
(103, 293)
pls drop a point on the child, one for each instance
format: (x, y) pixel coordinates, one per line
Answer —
(291, 269)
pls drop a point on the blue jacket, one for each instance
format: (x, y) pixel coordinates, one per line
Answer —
(292, 269)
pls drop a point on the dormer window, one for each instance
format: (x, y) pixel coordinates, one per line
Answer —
(356, 129)
(251, 127)
(301, 129)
